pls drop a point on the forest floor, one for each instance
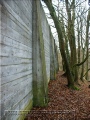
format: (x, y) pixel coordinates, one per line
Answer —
(64, 103)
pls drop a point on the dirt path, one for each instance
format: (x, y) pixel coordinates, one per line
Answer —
(64, 103)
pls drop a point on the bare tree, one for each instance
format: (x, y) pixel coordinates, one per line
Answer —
(66, 30)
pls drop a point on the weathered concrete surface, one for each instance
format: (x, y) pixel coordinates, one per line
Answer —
(28, 57)
(56, 58)
(40, 83)
(46, 37)
(52, 59)
(16, 56)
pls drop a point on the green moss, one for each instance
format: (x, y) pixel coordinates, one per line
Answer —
(74, 87)
(24, 112)
(40, 98)
(55, 75)
(48, 80)
(40, 83)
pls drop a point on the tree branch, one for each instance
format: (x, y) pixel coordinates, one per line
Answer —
(78, 64)
(86, 72)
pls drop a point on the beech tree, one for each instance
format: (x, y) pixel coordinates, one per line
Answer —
(67, 35)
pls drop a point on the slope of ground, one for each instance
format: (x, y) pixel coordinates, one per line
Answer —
(64, 103)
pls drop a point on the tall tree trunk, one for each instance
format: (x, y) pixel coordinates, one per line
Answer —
(83, 51)
(82, 67)
(65, 42)
(78, 30)
(78, 50)
(71, 36)
(61, 43)
(87, 40)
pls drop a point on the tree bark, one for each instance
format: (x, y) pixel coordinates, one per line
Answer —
(61, 43)
(71, 36)
(87, 41)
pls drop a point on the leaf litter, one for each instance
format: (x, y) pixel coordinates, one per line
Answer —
(64, 103)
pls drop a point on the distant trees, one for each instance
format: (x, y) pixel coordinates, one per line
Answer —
(73, 37)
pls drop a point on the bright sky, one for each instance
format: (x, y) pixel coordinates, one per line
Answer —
(55, 2)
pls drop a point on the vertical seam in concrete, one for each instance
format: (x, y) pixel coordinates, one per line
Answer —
(38, 55)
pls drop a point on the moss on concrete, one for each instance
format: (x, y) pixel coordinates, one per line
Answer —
(39, 95)
(40, 87)
(25, 111)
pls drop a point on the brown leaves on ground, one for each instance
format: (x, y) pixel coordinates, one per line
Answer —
(64, 103)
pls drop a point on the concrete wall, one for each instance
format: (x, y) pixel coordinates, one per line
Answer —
(16, 55)
(46, 36)
(26, 56)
